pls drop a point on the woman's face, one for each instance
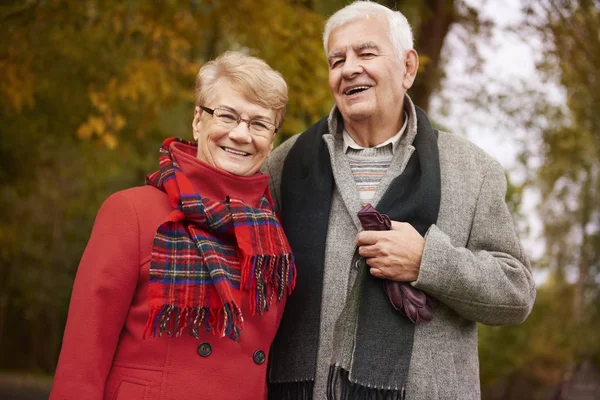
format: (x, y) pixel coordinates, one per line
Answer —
(235, 150)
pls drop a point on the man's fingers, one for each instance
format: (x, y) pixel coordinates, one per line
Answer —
(402, 226)
(396, 225)
(376, 273)
(367, 237)
(368, 251)
(377, 262)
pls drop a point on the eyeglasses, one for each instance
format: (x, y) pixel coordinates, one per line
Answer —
(230, 119)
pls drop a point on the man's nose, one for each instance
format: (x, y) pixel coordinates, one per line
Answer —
(351, 67)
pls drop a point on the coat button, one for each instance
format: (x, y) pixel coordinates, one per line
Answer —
(361, 263)
(204, 349)
(259, 357)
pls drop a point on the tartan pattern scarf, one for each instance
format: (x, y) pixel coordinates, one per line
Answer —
(207, 253)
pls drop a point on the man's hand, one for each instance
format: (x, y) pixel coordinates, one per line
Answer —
(394, 254)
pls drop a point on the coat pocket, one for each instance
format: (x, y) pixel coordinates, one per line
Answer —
(131, 382)
(130, 391)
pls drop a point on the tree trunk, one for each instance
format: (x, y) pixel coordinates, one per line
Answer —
(436, 18)
(585, 252)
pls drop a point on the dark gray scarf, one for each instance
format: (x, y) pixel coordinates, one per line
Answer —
(381, 346)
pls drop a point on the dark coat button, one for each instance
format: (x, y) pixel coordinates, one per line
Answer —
(204, 349)
(259, 357)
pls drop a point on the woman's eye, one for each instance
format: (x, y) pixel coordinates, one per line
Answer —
(228, 116)
(259, 125)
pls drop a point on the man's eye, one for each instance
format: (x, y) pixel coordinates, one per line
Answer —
(336, 63)
(368, 55)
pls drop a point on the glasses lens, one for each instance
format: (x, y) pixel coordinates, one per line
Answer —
(261, 128)
(226, 117)
(231, 119)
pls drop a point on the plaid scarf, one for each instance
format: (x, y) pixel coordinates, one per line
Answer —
(207, 253)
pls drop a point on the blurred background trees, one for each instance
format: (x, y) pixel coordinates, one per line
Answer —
(541, 358)
(90, 89)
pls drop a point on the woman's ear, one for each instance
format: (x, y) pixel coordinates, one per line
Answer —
(196, 123)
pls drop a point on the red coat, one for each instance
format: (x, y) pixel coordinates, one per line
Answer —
(103, 354)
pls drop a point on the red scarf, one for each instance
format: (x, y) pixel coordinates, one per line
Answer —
(207, 253)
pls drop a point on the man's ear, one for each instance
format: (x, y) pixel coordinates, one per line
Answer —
(411, 66)
(196, 123)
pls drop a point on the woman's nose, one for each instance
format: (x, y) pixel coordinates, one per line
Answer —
(241, 133)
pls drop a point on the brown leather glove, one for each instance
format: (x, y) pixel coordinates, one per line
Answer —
(410, 301)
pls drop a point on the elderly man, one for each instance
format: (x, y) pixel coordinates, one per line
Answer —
(452, 236)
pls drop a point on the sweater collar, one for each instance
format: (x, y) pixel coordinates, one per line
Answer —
(349, 142)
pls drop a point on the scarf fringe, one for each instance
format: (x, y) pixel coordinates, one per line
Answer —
(266, 278)
(340, 387)
(291, 390)
(172, 320)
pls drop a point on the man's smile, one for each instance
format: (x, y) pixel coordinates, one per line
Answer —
(356, 89)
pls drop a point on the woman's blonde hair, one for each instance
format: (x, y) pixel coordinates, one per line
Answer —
(250, 76)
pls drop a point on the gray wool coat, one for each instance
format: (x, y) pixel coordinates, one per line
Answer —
(473, 261)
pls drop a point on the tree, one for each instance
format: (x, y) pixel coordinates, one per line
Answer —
(563, 158)
(569, 175)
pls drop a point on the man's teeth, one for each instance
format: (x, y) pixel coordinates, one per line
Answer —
(232, 151)
(356, 89)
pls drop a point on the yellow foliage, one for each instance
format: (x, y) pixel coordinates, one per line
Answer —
(98, 100)
(152, 57)
(18, 84)
(97, 125)
(119, 122)
(110, 140)
(84, 131)
(424, 60)
(103, 127)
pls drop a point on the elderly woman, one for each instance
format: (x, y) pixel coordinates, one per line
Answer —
(182, 285)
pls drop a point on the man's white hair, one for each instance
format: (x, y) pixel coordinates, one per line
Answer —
(399, 29)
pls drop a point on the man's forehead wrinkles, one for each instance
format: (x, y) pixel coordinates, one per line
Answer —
(341, 51)
(366, 45)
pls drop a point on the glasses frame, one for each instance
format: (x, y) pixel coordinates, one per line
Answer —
(211, 111)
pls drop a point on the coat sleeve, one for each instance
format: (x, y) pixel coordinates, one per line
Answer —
(490, 280)
(102, 293)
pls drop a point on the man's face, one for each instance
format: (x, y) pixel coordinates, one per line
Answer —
(365, 73)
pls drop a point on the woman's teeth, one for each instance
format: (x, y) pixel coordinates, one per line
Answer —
(232, 151)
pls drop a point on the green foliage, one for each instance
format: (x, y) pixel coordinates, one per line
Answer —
(539, 348)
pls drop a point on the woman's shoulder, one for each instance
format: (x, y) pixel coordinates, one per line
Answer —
(143, 194)
(139, 201)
